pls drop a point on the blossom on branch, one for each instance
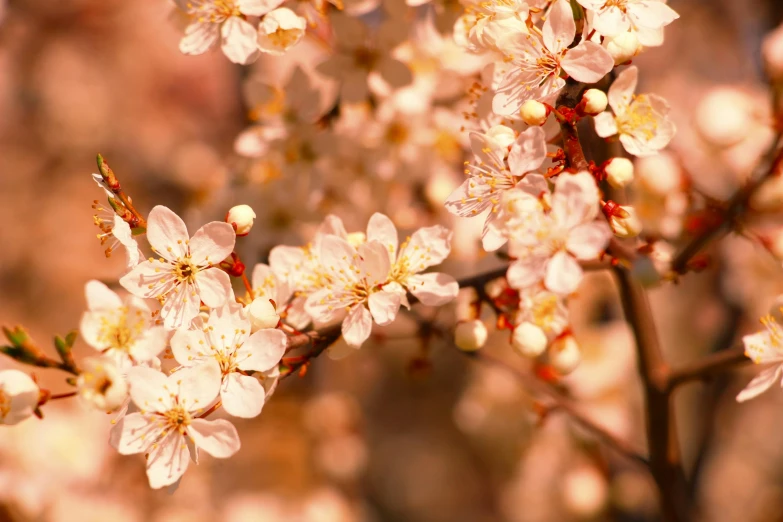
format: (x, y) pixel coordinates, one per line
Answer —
(18, 396)
(184, 275)
(764, 347)
(646, 18)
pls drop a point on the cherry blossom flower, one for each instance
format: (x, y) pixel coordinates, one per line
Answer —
(358, 55)
(764, 347)
(492, 174)
(168, 427)
(113, 228)
(223, 20)
(641, 121)
(124, 331)
(645, 17)
(101, 384)
(353, 292)
(425, 248)
(537, 61)
(18, 396)
(225, 338)
(183, 276)
(550, 243)
(280, 30)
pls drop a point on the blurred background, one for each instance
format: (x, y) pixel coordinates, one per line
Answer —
(403, 430)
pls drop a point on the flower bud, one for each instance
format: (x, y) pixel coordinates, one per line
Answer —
(529, 340)
(623, 47)
(469, 336)
(501, 135)
(585, 492)
(564, 355)
(619, 172)
(626, 223)
(262, 314)
(533, 112)
(772, 52)
(101, 385)
(241, 217)
(18, 396)
(595, 101)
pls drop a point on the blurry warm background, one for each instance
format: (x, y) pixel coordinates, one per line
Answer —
(380, 435)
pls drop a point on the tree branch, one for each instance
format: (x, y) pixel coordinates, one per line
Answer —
(707, 366)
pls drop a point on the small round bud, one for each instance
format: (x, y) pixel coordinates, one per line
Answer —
(724, 116)
(529, 340)
(623, 47)
(501, 135)
(534, 113)
(564, 355)
(241, 217)
(262, 314)
(619, 172)
(101, 385)
(661, 174)
(585, 491)
(628, 225)
(19, 396)
(772, 52)
(595, 101)
(469, 336)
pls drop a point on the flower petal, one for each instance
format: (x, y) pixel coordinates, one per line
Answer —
(588, 62)
(761, 383)
(149, 389)
(381, 228)
(168, 461)
(563, 274)
(212, 243)
(219, 438)
(133, 433)
(196, 386)
(238, 40)
(199, 37)
(100, 297)
(242, 395)
(384, 306)
(559, 28)
(588, 241)
(434, 288)
(428, 246)
(167, 233)
(605, 125)
(528, 151)
(262, 351)
(357, 326)
(575, 200)
(214, 287)
(527, 271)
(622, 89)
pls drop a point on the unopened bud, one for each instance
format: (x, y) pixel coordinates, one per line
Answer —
(533, 113)
(619, 172)
(501, 136)
(529, 340)
(623, 47)
(241, 217)
(262, 314)
(564, 355)
(595, 101)
(469, 336)
(101, 385)
(626, 223)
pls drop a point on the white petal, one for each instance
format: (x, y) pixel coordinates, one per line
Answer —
(528, 152)
(337, 255)
(181, 306)
(149, 389)
(563, 274)
(214, 287)
(575, 200)
(357, 326)
(257, 7)
(186, 348)
(262, 351)
(242, 395)
(396, 73)
(168, 461)
(100, 297)
(526, 272)
(199, 37)
(149, 345)
(588, 241)
(196, 386)
(652, 13)
(384, 306)
(134, 433)
(587, 62)
(622, 89)
(761, 383)
(428, 246)
(239, 40)
(167, 233)
(219, 438)
(212, 243)
(611, 22)
(381, 228)
(559, 29)
(374, 263)
(605, 125)
(434, 288)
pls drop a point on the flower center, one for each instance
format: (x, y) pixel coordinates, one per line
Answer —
(543, 310)
(365, 58)
(284, 38)
(213, 11)
(118, 331)
(185, 270)
(177, 418)
(638, 119)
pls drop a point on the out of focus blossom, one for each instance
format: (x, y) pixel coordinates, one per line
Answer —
(764, 347)
(470, 335)
(646, 18)
(279, 30)
(772, 51)
(101, 385)
(18, 396)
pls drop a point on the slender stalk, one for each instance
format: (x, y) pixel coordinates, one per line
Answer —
(707, 366)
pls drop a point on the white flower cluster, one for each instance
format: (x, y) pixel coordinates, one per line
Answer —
(242, 28)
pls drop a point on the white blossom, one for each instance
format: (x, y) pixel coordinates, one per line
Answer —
(168, 428)
(101, 384)
(18, 396)
(764, 347)
(645, 17)
(280, 30)
(183, 276)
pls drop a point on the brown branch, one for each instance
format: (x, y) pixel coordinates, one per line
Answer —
(768, 166)
(664, 450)
(569, 406)
(707, 366)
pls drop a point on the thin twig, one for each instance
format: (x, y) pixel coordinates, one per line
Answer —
(707, 366)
